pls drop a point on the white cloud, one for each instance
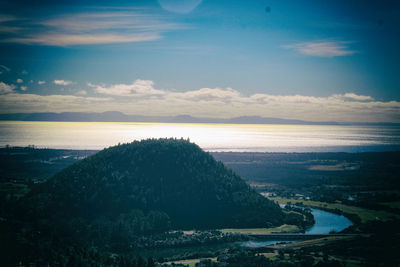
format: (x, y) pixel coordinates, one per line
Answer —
(140, 97)
(62, 82)
(41, 82)
(208, 102)
(82, 39)
(137, 88)
(24, 88)
(19, 80)
(9, 29)
(106, 20)
(352, 96)
(209, 94)
(81, 92)
(5, 88)
(37, 103)
(5, 18)
(182, 7)
(322, 48)
(90, 28)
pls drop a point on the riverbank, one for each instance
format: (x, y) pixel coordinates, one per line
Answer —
(262, 231)
(362, 215)
(313, 242)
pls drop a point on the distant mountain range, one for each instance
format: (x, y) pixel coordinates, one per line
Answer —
(116, 116)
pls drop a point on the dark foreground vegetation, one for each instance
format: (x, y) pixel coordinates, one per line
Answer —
(128, 197)
(121, 207)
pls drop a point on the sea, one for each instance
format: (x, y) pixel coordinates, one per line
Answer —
(210, 137)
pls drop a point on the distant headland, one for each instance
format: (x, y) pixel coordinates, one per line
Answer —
(116, 116)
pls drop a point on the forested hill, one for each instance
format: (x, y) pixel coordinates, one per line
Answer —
(162, 180)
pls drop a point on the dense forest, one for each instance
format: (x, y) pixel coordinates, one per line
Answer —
(168, 179)
(131, 196)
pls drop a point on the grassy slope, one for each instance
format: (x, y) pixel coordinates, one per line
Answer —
(260, 231)
(285, 228)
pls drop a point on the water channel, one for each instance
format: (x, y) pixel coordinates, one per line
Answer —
(325, 223)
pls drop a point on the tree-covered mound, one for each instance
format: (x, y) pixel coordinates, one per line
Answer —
(157, 184)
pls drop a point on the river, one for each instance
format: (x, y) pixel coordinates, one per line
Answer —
(325, 223)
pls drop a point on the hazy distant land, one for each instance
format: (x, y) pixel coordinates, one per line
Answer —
(116, 116)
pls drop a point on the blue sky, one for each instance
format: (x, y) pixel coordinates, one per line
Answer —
(311, 60)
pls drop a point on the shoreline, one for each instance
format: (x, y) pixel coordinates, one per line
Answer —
(239, 153)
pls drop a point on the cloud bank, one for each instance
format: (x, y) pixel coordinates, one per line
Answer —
(6, 88)
(142, 98)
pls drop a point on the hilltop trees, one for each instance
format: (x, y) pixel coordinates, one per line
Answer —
(172, 182)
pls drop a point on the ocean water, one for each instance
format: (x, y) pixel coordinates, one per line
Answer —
(210, 137)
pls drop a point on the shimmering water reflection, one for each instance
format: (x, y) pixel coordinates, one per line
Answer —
(211, 137)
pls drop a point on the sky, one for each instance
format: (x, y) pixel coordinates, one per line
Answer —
(310, 60)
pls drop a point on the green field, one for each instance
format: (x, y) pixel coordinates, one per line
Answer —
(319, 242)
(257, 231)
(364, 214)
(260, 231)
(188, 262)
(395, 204)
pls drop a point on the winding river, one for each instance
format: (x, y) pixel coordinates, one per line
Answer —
(325, 223)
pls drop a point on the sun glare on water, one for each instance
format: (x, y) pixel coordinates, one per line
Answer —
(211, 137)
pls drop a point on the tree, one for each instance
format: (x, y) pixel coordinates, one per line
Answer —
(281, 254)
(150, 262)
(140, 262)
